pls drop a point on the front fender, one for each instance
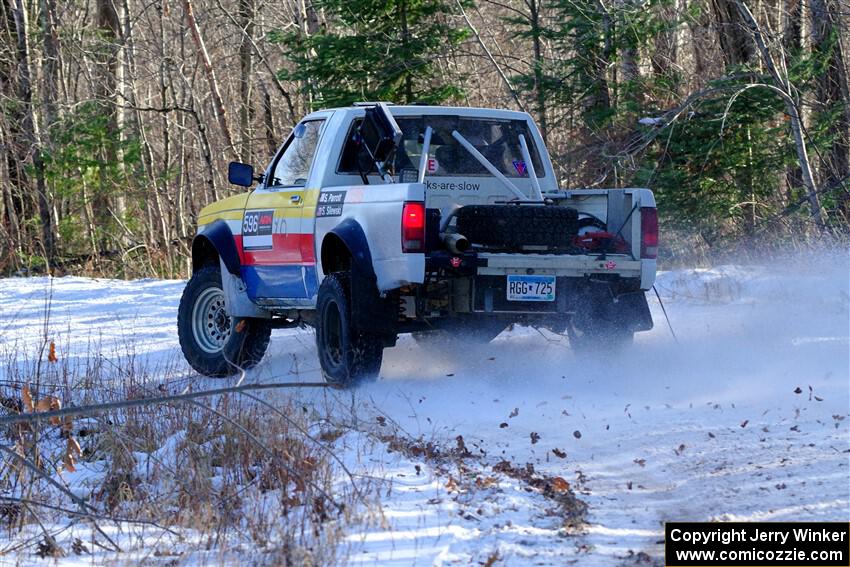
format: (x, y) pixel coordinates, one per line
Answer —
(218, 237)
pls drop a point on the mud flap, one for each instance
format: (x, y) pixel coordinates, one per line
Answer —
(599, 305)
(630, 310)
(369, 311)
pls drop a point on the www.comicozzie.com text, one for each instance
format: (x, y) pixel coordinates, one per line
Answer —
(726, 537)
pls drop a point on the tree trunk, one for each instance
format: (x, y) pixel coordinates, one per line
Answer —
(732, 33)
(405, 41)
(203, 54)
(600, 97)
(246, 80)
(782, 86)
(268, 121)
(539, 89)
(106, 91)
(832, 94)
(30, 128)
(665, 50)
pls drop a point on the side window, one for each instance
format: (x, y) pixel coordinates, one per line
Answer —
(352, 154)
(292, 167)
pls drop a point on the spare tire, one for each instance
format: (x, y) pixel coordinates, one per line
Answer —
(513, 226)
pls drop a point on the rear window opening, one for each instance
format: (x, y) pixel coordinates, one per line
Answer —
(497, 140)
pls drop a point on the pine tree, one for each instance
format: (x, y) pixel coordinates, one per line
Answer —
(371, 50)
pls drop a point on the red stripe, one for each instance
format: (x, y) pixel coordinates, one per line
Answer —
(286, 249)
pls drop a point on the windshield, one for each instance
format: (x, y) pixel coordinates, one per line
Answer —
(497, 140)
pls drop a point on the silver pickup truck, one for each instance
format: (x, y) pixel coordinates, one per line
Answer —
(377, 220)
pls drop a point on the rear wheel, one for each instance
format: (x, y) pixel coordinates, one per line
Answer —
(214, 343)
(347, 355)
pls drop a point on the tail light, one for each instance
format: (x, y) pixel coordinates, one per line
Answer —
(648, 233)
(413, 227)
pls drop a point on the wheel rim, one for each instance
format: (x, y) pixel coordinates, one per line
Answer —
(211, 324)
(332, 331)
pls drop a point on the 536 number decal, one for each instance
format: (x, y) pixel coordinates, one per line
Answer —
(257, 230)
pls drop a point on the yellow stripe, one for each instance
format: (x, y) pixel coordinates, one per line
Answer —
(227, 209)
(233, 208)
(311, 197)
(224, 215)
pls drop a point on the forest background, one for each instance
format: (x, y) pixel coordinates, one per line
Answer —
(120, 116)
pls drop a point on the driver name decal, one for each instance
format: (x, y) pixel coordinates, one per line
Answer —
(330, 204)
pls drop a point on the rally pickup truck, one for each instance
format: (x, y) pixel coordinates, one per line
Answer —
(377, 220)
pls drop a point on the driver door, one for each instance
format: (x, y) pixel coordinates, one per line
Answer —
(272, 239)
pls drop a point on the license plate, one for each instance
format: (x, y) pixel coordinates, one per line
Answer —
(531, 288)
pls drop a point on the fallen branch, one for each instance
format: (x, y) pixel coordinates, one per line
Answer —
(83, 505)
(82, 514)
(188, 396)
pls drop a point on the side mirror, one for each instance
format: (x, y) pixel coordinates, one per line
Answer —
(240, 174)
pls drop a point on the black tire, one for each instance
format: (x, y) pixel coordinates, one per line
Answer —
(225, 344)
(347, 355)
(514, 226)
(466, 332)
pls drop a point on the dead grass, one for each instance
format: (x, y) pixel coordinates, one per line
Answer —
(228, 474)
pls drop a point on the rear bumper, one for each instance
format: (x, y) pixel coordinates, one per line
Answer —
(475, 285)
(490, 264)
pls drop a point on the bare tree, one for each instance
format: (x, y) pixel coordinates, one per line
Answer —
(30, 125)
(781, 85)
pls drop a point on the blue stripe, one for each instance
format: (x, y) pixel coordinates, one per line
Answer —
(280, 282)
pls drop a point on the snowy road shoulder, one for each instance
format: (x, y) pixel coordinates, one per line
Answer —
(744, 418)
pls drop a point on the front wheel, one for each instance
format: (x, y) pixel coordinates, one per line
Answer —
(347, 355)
(214, 343)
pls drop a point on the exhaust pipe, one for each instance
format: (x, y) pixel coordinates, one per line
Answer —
(456, 243)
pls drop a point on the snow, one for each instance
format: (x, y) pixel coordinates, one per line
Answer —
(648, 121)
(706, 428)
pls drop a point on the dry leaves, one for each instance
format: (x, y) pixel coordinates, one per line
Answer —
(26, 397)
(485, 481)
(47, 403)
(72, 452)
(331, 435)
(51, 352)
(559, 484)
(535, 437)
(559, 453)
